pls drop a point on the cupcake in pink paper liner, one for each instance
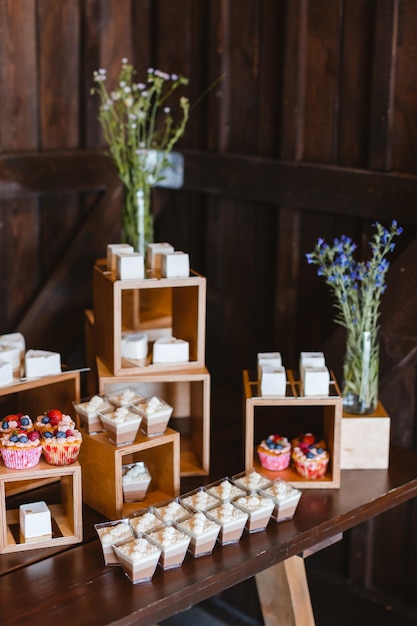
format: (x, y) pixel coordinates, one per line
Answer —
(21, 449)
(62, 445)
(274, 453)
(310, 457)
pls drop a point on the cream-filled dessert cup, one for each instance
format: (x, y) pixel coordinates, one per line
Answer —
(144, 521)
(172, 542)
(224, 489)
(259, 509)
(88, 410)
(135, 481)
(110, 533)
(232, 522)
(203, 533)
(155, 414)
(138, 557)
(124, 397)
(171, 510)
(285, 498)
(121, 424)
(250, 480)
(199, 500)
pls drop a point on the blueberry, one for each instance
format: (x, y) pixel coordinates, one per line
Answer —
(14, 438)
(278, 446)
(319, 450)
(23, 439)
(5, 425)
(60, 434)
(48, 435)
(270, 444)
(25, 421)
(45, 420)
(310, 455)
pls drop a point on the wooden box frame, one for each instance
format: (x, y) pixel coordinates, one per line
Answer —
(154, 305)
(188, 392)
(330, 420)
(66, 516)
(365, 440)
(102, 462)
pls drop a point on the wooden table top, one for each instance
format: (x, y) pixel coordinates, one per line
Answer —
(70, 582)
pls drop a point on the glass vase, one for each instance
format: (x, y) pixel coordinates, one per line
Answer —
(137, 219)
(361, 372)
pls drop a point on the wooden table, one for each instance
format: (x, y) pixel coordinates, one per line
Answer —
(66, 585)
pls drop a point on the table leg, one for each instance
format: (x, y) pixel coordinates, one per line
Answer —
(284, 595)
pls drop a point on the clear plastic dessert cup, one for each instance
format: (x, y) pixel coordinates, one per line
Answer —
(88, 410)
(138, 557)
(172, 542)
(110, 533)
(251, 480)
(285, 498)
(224, 489)
(135, 481)
(155, 414)
(259, 509)
(232, 522)
(203, 533)
(144, 521)
(124, 396)
(171, 510)
(121, 425)
(199, 500)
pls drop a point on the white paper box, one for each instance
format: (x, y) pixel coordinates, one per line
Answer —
(35, 520)
(42, 363)
(135, 346)
(272, 359)
(130, 266)
(154, 252)
(175, 265)
(14, 340)
(312, 359)
(170, 350)
(113, 249)
(273, 381)
(11, 354)
(6, 373)
(316, 381)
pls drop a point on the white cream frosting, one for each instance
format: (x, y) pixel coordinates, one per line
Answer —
(254, 502)
(144, 522)
(168, 536)
(198, 524)
(226, 512)
(111, 534)
(137, 548)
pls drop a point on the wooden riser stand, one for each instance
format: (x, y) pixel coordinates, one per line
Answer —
(325, 421)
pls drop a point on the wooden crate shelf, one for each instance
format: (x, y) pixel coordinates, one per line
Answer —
(188, 392)
(159, 306)
(102, 462)
(66, 515)
(289, 415)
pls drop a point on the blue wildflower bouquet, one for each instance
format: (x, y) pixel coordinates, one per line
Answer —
(357, 288)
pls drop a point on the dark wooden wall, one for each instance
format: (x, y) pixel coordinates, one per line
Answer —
(312, 132)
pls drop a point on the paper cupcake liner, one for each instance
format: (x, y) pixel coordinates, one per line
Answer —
(21, 458)
(311, 469)
(61, 454)
(274, 462)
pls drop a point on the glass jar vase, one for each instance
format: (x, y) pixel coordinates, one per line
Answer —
(361, 372)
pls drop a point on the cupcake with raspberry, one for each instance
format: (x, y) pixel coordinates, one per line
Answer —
(21, 449)
(15, 421)
(309, 456)
(274, 453)
(61, 446)
(49, 420)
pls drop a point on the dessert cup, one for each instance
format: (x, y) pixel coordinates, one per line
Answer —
(232, 522)
(135, 481)
(144, 521)
(171, 510)
(250, 480)
(124, 397)
(121, 425)
(203, 533)
(172, 542)
(258, 508)
(285, 497)
(138, 557)
(155, 414)
(199, 500)
(88, 410)
(224, 489)
(110, 533)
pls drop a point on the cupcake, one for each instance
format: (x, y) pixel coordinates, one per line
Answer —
(49, 420)
(274, 453)
(310, 458)
(15, 421)
(61, 445)
(21, 449)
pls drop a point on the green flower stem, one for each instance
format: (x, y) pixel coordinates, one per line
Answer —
(137, 219)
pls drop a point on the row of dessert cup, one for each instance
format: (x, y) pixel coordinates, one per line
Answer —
(217, 513)
(122, 413)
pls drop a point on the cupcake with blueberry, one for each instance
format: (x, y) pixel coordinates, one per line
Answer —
(61, 445)
(48, 421)
(21, 449)
(15, 421)
(274, 452)
(309, 456)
